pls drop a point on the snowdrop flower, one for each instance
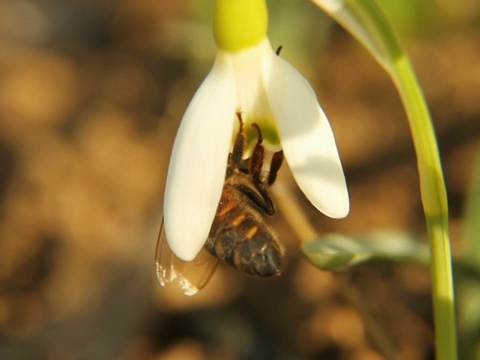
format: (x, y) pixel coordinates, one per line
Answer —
(247, 76)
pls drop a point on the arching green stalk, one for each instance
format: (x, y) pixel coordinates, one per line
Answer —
(365, 21)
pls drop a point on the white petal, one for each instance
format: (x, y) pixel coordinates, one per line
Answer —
(307, 139)
(198, 163)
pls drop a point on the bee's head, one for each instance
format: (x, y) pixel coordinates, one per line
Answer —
(260, 256)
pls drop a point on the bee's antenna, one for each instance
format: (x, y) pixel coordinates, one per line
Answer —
(278, 50)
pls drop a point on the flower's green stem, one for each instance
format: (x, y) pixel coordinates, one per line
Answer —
(434, 198)
(366, 22)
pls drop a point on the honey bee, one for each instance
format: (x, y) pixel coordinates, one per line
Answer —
(239, 236)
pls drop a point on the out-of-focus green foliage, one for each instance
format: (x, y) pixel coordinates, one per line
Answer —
(337, 252)
(471, 244)
(410, 17)
(468, 275)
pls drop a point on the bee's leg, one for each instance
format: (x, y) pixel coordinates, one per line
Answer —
(256, 164)
(275, 165)
(256, 161)
(235, 157)
(259, 196)
(266, 202)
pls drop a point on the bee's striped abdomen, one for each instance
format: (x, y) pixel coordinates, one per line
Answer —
(240, 238)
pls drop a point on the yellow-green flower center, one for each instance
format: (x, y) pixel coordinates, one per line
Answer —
(239, 24)
(270, 137)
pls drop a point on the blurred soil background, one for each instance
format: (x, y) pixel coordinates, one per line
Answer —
(91, 95)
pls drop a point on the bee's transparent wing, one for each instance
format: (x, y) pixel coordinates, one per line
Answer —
(190, 276)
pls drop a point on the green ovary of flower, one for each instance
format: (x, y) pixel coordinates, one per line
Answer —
(253, 103)
(269, 134)
(239, 24)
